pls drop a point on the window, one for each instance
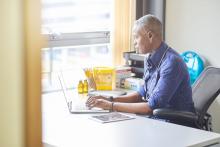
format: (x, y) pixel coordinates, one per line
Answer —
(79, 36)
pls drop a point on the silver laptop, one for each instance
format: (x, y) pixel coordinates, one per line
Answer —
(77, 106)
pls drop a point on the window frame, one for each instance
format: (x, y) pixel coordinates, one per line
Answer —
(78, 38)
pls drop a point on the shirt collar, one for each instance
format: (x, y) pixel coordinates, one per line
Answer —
(155, 57)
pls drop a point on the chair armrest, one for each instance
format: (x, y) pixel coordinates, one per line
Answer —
(176, 116)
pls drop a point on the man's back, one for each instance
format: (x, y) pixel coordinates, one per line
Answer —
(182, 98)
(167, 81)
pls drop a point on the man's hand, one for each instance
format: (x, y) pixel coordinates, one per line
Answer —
(99, 101)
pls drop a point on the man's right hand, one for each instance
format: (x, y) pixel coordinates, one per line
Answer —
(96, 101)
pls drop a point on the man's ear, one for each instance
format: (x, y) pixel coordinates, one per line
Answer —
(150, 35)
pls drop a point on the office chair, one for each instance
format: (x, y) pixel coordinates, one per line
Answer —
(204, 91)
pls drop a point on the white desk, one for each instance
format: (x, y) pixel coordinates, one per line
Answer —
(62, 129)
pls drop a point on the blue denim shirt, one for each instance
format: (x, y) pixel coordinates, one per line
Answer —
(167, 82)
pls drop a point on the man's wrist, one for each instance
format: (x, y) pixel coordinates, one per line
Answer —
(111, 98)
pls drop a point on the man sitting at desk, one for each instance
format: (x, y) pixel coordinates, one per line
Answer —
(166, 79)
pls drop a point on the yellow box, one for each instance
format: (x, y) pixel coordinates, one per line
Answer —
(103, 77)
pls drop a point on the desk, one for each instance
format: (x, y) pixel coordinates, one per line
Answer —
(62, 129)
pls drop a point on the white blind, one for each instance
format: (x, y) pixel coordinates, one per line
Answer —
(67, 16)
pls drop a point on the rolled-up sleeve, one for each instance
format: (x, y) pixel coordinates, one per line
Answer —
(170, 78)
(141, 91)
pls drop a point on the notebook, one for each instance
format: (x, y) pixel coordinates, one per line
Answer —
(77, 106)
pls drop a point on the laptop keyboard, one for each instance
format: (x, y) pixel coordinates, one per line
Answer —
(80, 107)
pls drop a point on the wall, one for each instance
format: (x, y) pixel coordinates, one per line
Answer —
(194, 25)
(11, 75)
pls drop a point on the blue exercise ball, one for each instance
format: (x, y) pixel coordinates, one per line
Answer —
(194, 64)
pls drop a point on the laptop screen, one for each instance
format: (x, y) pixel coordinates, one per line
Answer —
(77, 106)
(63, 87)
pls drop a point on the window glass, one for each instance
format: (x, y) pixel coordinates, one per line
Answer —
(78, 32)
(71, 61)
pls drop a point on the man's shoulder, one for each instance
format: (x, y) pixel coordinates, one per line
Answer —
(173, 53)
(172, 57)
(173, 60)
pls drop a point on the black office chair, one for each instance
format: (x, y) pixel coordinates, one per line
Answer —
(205, 90)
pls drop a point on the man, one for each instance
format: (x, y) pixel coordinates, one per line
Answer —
(166, 78)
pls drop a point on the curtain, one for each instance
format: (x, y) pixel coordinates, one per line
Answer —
(121, 39)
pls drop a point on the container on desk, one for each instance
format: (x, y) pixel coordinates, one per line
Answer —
(103, 77)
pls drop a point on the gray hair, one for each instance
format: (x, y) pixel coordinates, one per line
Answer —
(149, 22)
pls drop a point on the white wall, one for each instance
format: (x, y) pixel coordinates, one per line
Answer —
(11, 74)
(195, 25)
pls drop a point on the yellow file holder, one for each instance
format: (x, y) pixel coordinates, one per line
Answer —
(103, 77)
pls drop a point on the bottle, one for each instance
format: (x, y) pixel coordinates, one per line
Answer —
(80, 87)
(85, 86)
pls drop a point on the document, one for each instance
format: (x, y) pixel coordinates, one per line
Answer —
(111, 117)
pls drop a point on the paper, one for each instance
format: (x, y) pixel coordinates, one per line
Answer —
(111, 117)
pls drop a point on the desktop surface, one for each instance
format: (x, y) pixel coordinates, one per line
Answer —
(62, 129)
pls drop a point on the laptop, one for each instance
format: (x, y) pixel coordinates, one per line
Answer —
(77, 106)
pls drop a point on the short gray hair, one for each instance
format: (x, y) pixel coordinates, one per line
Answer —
(149, 22)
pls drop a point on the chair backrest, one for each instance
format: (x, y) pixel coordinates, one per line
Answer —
(205, 89)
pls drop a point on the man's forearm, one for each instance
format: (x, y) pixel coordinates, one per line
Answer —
(140, 108)
(131, 98)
